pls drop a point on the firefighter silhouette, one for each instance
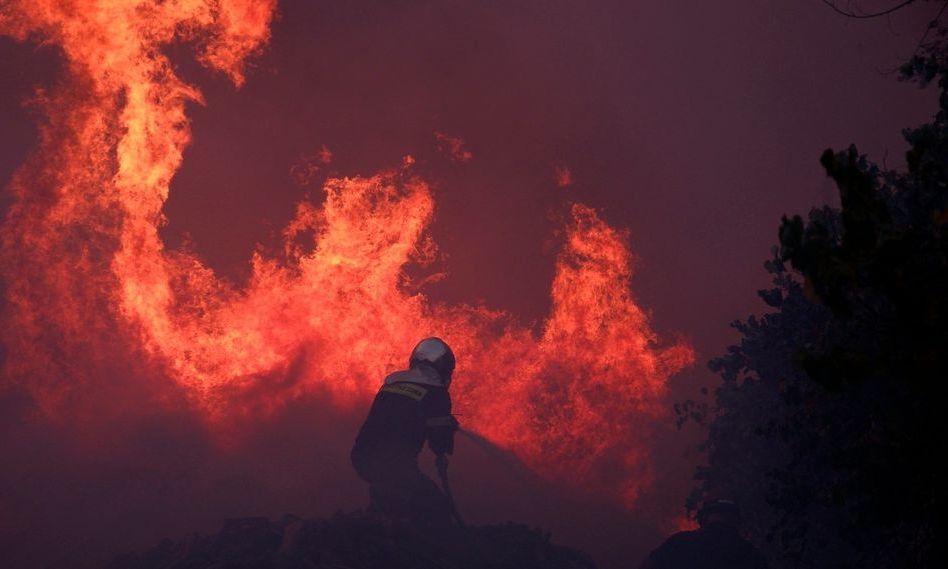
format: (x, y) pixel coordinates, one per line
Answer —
(413, 406)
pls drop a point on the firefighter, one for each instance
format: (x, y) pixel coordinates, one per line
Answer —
(716, 544)
(413, 406)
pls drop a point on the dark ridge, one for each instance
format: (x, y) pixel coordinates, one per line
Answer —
(357, 541)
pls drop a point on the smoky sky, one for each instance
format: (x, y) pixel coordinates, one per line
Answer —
(694, 125)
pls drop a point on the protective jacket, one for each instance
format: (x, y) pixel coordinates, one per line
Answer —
(411, 407)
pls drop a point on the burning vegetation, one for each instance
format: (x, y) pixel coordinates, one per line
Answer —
(87, 275)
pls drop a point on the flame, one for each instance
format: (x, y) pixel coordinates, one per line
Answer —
(453, 147)
(87, 275)
(563, 176)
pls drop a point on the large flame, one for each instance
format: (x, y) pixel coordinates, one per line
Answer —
(87, 274)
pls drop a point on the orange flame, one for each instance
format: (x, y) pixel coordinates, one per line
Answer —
(87, 274)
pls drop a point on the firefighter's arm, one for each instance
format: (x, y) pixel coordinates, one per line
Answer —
(440, 432)
(440, 424)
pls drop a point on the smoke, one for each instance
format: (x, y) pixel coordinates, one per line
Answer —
(75, 500)
(143, 394)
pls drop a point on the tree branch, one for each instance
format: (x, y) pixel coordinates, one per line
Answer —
(874, 15)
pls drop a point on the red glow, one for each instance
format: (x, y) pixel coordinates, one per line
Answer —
(86, 270)
(453, 147)
(563, 176)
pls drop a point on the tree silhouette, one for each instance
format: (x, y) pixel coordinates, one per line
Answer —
(829, 423)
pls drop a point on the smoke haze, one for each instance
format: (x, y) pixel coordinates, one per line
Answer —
(203, 285)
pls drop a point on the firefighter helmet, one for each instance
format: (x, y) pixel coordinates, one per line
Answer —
(435, 353)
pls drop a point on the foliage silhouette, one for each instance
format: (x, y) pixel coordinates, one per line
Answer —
(828, 425)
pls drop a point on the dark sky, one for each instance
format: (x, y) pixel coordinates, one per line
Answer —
(695, 125)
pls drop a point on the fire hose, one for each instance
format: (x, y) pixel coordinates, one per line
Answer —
(441, 462)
